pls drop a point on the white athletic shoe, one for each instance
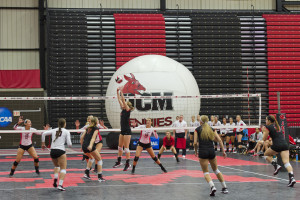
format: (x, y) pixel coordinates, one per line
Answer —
(183, 157)
(101, 180)
(86, 177)
(117, 164)
(212, 191)
(61, 188)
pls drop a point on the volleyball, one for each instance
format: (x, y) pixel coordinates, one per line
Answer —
(119, 79)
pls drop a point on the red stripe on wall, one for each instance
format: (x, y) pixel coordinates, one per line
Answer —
(283, 39)
(139, 34)
(20, 79)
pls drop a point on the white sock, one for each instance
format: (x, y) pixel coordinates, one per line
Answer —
(61, 182)
(211, 184)
(223, 184)
(56, 176)
(291, 172)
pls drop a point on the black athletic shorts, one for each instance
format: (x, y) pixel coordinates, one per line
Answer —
(25, 148)
(206, 153)
(146, 146)
(191, 133)
(126, 132)
(85, 150)
(279, 147)
(99, 142)
(56, 153)
(239, 133)
(230, 134)
(168, 147)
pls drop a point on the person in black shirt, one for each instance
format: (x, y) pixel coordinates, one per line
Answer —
(125, 136)
(279, 145)
(205, 136)
(87, 141)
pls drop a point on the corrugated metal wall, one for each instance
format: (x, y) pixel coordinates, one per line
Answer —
(171, 4)
(19, 30)
(222, 4)
(143, 4)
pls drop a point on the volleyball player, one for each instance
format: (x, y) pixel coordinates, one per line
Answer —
(230, 136)
(87, 140)
(168, 144)
(239, 132)
(125, 136)
(223, 131)
(212, 120)
(145, 143)
(180, 136)
(279, 146)
(77, 124)
(217, 123)
(58, 154)
(195, 124)
(98, 141)
(25, 145)
(205, 136)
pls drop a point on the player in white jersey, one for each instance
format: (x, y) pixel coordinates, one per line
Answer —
(145, 143)
(230, 136)
(223, 131)
(25, 145)
(58, 153)
(239, 132)
(180, 136)
(195, 124)
(217, 123)
(212, 120)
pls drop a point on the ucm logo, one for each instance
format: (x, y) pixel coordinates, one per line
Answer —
(5, 117)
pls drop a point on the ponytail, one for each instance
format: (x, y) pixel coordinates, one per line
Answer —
(272, 119)
(61, 124)
(206, 133)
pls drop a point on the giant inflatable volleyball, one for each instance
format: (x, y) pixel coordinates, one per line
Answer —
(154, 75)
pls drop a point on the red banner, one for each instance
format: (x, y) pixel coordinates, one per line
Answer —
(20, 79)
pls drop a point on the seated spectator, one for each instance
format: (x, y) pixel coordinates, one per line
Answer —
(255, 138)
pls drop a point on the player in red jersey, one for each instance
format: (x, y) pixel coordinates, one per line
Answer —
(168, 144)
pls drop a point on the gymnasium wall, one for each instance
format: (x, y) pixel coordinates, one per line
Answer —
(170, 4)
(19, 44)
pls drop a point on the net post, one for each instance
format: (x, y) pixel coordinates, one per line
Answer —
(259, 114)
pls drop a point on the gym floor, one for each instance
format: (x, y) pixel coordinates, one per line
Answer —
(246, 178)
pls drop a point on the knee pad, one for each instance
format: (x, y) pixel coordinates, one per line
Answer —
(91, 160)
(239, 143)
(100, 162)
(63, 171)
(127, 150)
(155, 159)
(287, 165)
(217, 171)
(136, 159)
(16, 163)
(120, 148)
(86, 157)
(206, 173)
(36, 160)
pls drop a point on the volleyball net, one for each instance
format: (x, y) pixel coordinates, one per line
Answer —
(163, 111)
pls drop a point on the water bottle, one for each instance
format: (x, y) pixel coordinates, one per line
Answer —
(296, 156)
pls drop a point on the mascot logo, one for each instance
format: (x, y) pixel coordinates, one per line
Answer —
(132, 86)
